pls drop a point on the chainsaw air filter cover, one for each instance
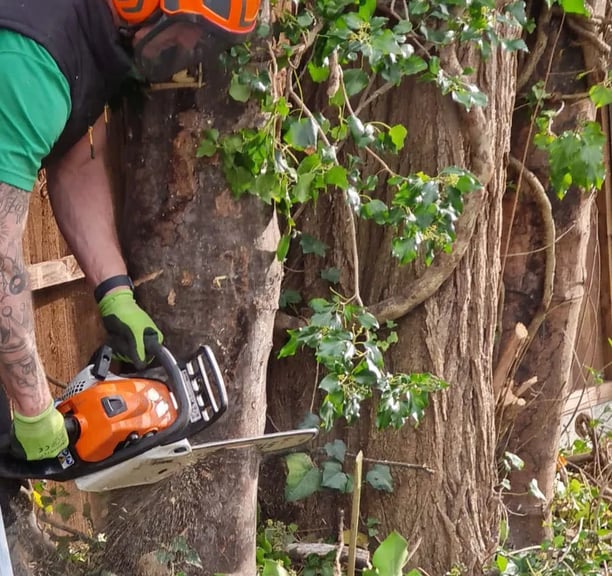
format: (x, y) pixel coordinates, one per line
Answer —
(114, 413)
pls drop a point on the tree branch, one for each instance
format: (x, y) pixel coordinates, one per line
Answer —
(435, 275)
(538, 193)
(578, 26)
(536, 52)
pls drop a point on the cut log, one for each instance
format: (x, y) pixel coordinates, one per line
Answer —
(507, 357)
(301, 550)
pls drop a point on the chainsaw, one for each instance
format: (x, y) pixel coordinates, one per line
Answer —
(132, 430)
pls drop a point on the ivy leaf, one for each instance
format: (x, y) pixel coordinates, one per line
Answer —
(355, 80)
(379, 477)
(318, 73)
(391, 556)
(336, 450)
(574, 7)
(600, 95)
(535, 491)
(334, 478)
(311, 245)
(206, 148)
(239, 91)
(65, 510)
(367, 9)
(337, 176)
(469, 96)
(303, 477)
(363, 135)
(302, 191)
(302, 134)
(273, 568)
(398, 134)
(288, 298)
(514, 45)
(332, 275)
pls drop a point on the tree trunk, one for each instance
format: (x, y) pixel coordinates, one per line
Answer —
(450, 516)
(544, 278)
(209, 276)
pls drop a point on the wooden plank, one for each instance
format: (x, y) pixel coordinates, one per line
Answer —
(604, 202)
(54, 272)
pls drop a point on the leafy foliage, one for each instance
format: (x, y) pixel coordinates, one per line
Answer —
(295, 155)
(346, 343)
(305, 477)
(581, 527)
(575, 157)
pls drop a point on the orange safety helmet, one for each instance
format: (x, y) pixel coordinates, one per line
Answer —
(173, 35)
(232, 16)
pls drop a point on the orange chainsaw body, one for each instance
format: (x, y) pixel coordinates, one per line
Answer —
(115, 412)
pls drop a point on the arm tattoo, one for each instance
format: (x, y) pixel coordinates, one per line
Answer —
(21, 371)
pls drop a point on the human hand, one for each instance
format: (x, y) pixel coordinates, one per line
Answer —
(39, 437)
(128, 326)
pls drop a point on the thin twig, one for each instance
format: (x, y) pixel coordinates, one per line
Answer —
(395, 463)
(68, 529)
(337, 564)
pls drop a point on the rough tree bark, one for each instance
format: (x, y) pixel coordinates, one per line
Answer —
(446, 317)
(209, 276)
(545, 268)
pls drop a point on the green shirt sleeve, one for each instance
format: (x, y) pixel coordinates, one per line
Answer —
(34, 108)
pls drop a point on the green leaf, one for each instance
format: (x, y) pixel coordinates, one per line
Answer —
(574, 7)
(514, 461)
(302, 191)
(398, 135)
(289, 297)
(192, 558)
(273, 568)
(337, 176)
(333, 476)
(332, 275)
(535, 491)
(600, 95)
(318, 73)
(239, 91)
(367, 9)
(283, 247)
(368, 321)
(303, 477)
(206, 148)
(391, 556)
(329, 383)
(355, 80)
(65, 510)
(336, 449)
(311, 245)
(302, 134)
(379, 477)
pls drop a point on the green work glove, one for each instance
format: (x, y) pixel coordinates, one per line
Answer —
(39, 437)
(128, 326)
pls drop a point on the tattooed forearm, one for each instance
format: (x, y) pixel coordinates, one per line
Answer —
(21, 370)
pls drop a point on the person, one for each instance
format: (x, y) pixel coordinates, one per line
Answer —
(60, 64)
